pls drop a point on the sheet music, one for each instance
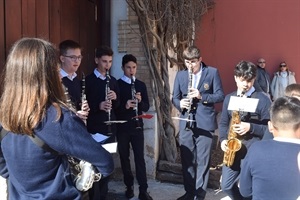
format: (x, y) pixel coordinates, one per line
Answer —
(110, 147)
(243, 104)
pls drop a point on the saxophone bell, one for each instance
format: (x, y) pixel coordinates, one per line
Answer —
(233, 143)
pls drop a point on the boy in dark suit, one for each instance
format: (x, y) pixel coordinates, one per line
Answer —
(133, 102)
(102, 93)
(252, 128)
(196, 90)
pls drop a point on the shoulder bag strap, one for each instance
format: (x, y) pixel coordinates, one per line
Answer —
(3, 133)
(39, 142)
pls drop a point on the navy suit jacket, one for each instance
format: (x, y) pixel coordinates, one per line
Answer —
(211, 90)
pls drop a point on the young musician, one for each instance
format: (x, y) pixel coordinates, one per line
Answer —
(271, 169)
(102, 93)
(196, 90)
(251, 129)
(70, 60)
(33, 103)
(133, 101)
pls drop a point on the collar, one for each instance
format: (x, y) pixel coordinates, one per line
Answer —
(248, 93)
(290, 140)
(63, 74)
(98, 75)
(126, 79)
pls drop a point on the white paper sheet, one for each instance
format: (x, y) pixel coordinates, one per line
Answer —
(243, 104)
(110, 147)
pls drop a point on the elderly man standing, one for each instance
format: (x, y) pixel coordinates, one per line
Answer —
(262, 82)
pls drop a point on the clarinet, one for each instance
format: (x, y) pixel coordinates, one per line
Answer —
(107, 90)
(190, 123)
(133, 92)
(83, 95)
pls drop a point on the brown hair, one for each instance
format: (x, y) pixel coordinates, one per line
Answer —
(30, 85)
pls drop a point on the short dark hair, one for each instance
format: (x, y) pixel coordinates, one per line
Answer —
(65, 45)
(127, 58)
(191, 52)
(292, 90)
(246, 70)
(285, 112)
(103, 51)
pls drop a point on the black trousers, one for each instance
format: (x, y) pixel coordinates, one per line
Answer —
(135, 138)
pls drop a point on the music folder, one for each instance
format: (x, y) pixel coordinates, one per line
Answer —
(242, 104)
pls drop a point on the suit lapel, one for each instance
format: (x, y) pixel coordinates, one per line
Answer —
(202, 78)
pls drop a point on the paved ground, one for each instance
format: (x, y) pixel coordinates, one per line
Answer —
(158, 191)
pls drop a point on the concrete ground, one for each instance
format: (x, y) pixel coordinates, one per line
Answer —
(158, 191)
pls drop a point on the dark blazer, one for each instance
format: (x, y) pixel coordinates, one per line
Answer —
(262, 82)
(210, 88)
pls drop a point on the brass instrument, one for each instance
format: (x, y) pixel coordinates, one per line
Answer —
(84, 173)
(107, 90)
(233, 143)
(133, 92)
(190, 122)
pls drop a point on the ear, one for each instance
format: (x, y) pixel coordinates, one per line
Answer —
(271, 127)
(96, 61)
(235, 77)
(62, 59)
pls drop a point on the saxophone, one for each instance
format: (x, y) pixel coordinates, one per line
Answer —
(233, 143)
(84, 174)
(133, 92)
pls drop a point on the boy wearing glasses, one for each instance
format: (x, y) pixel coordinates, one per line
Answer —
(196, 90)
(70, 59)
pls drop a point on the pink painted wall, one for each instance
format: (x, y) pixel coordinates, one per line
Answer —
(237, 30)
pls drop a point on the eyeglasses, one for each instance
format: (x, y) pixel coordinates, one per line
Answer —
(191, 62)
(74, 58)
(262, 62)
(283, 65)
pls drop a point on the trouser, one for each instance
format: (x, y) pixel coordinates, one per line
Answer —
(135, 138)
(230, 175)
(99, 190)
(195, 149)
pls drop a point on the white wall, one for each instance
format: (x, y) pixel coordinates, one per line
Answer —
(118, 12)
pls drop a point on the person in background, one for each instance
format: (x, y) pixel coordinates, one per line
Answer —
(102, 93)
(282, 78)
(252, 128)
(33, 103)
(271, 169)
(70, 59)
(195, 92)
(262, 81)
(133, 102)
